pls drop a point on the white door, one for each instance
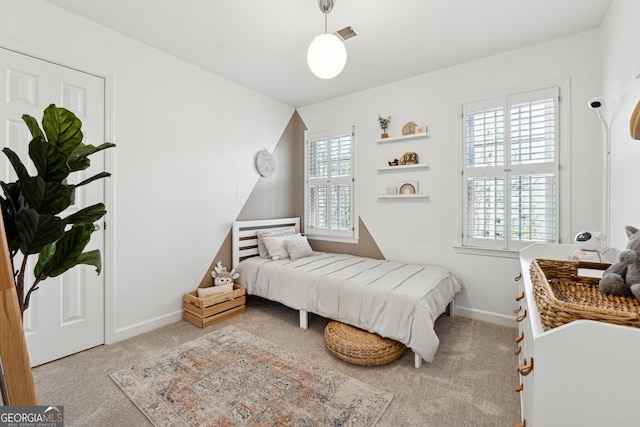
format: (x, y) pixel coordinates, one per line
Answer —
(66, 313)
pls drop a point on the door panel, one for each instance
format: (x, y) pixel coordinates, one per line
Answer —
(66, 313)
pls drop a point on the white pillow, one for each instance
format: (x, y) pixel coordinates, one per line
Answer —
(275, 246)
(297, 246)
(261, 234)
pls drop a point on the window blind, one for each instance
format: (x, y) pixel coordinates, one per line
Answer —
(329, 187)
(511, 170)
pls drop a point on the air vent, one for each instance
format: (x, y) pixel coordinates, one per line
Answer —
(346, 33)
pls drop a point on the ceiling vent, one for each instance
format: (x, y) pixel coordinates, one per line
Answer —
(347, 33)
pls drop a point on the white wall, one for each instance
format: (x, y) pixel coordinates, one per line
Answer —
(182, 169)
(187, 139)
(424, 231)
(621, 60)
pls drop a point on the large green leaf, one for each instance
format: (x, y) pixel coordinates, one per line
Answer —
(9, 215)
(13, 192)
(33, 126)
(93, 178)
(33, 192)
(62, 127)
(35, 230)
(17, 164)
(50, 161)
(91, 258)
(57, 197)
(87, 215)
(43, 259)
(79, 158)
(67, 251)
(47, 197)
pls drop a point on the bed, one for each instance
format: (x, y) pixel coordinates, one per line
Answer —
(393, 299)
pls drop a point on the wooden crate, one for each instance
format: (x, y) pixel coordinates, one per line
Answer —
(207, 311)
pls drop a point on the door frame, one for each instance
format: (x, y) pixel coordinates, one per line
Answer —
(108, 256)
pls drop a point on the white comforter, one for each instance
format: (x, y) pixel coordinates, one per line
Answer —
(395, 300)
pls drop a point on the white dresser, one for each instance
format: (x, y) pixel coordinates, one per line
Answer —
(584, 373)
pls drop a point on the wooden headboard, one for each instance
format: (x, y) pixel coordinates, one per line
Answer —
(244, 241)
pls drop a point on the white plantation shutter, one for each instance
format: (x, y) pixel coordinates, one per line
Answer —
(329, 184)
(511, 170)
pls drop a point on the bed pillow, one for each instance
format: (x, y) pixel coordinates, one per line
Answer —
(280, 231)
(297, 246)
(275, 246)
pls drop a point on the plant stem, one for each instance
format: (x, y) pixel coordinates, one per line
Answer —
(28, 297)
(20, 284)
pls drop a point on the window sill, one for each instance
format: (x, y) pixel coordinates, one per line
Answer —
(476, 250)
(333, 238)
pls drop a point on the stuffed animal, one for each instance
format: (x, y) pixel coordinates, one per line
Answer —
(221, 276)
(623, 276)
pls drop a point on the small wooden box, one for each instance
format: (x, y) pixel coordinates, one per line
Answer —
(207, 311)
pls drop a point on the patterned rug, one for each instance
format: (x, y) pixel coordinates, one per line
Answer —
(233, 378)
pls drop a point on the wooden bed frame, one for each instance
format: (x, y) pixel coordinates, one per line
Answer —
(245, 245)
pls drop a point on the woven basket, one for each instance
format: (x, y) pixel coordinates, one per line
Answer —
(360, 347)
(562, 296)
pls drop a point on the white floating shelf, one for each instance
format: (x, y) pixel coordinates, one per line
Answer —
(403, 137)
(400, 167)
(404, 196)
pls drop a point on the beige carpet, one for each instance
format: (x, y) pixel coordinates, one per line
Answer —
(470, 383)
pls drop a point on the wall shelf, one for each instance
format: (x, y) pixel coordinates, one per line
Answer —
(402, 137)
(404, 196)
(401, 167)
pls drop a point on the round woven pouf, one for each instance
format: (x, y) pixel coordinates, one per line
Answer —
(360, 347)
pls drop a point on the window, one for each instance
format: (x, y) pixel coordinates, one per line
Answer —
(511, 170)
(330, 185)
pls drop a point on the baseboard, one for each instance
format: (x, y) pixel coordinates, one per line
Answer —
(146, 326)
(486, 316)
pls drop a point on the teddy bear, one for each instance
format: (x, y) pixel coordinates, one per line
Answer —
(623, 276)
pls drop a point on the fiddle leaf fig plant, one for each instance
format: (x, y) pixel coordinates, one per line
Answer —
(32, 205)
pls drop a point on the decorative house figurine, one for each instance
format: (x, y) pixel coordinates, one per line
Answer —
(409, 128)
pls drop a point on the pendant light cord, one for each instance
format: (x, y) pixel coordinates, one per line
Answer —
(325, 22)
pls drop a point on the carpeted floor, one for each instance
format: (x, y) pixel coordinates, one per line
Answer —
(232, 377)
(470, 383)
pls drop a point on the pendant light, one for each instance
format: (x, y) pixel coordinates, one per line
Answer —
(326, 55)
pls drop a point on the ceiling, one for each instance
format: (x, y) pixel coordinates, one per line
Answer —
(262, 45)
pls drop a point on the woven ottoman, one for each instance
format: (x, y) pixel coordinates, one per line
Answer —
(360, 347)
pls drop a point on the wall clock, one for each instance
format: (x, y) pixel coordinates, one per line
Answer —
(265, 163)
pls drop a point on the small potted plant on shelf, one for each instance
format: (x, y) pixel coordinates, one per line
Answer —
(384, 125)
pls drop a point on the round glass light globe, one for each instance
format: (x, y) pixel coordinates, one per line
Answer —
(326, 56)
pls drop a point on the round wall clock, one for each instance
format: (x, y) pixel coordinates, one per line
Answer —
(265, 163)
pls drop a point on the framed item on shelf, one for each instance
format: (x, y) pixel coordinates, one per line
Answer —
(391, 190)
(408, 187)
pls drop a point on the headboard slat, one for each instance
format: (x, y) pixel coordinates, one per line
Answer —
(244, 241)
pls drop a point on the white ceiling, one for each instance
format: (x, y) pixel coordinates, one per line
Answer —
(262, 45)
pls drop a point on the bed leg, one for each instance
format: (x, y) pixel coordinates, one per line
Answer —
(452, 308)
(418, 360)
(304, 319)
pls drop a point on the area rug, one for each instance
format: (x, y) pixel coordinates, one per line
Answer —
(233, 378)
